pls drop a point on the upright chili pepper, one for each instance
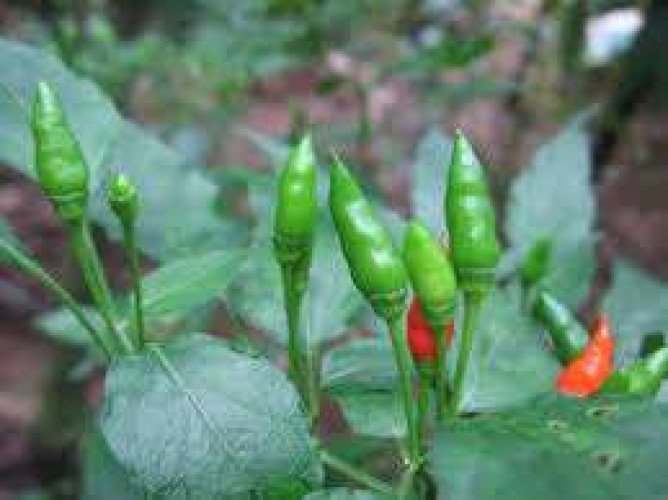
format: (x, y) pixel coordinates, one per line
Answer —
(434, 284)
(378, 273)
(471, 220)
(294, 230)
(61, 168)
(568, 336)
(375, 265)
(586, 373)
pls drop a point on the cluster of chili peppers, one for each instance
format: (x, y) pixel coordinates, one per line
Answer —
(384, 274)
(587, 358)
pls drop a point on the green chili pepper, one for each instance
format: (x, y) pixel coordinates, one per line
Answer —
(536, 262)
(471, 220)
(61, 168)
(431, 275)
(297, 205)
(123, 199)
(569, 337)
(375, 265)
(642, 378)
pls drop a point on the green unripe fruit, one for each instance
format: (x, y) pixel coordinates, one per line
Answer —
(297, 204)
(568, 336)
(375, 265)
(123, 199)
(61, 168)
(536, 262)
(471, 220)
(642, 381)
(431, 275)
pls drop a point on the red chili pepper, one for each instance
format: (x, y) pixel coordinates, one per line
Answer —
(421, 341)
(585, 375)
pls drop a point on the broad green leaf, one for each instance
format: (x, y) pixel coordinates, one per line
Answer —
(103, 477)
(344, 494)
(182, 284)
(362, 378)
(636, 304)
(177, 203)
(429, 177)
(552, 198)
(555, 448)
(219, 422)
(508, 364)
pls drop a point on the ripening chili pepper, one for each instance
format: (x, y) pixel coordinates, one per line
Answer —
(421, 338)
(536, 262)
(297, 205)
(431, 274)
(568, 336)
(123, 199)
(585, 374)
(471, 220)
(375, 265)
(61, 168)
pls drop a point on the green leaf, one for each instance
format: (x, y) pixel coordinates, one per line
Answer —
(555, 448)
(183, 284)
(177, 213)
(429, 177)
(552, 198)
(361, 377)
(344, 494)
(508, 364)
(195, 419)
(103, 477)
(636, 304)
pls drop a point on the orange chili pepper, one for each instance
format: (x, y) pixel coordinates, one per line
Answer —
(585, 374)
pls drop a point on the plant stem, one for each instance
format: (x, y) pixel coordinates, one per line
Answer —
(404, 367)
(441, 373)
(296, 348)
(89, 261)
(30, 267)
(472, 304)
(424, 391)
(133, 261)
(356, 474)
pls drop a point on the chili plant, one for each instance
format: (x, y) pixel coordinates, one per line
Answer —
(487, 385)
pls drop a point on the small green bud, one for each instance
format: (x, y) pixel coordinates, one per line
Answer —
(536, 262)
(123, 199)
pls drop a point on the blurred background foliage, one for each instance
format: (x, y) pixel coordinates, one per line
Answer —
(229, 84)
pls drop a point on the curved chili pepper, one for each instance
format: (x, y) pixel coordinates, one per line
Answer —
(642, 378)
(568, 336)
(61, 168)
(585, 374)
(374, 263)
(471, 220)
(421, 338)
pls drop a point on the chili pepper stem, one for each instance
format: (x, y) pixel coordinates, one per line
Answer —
(472, 303)
(296, 349)
(30, 267)
(356, 474)
(403, 362)
(424, 391)
(135, 274)
(441, 373)
(88, 259)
